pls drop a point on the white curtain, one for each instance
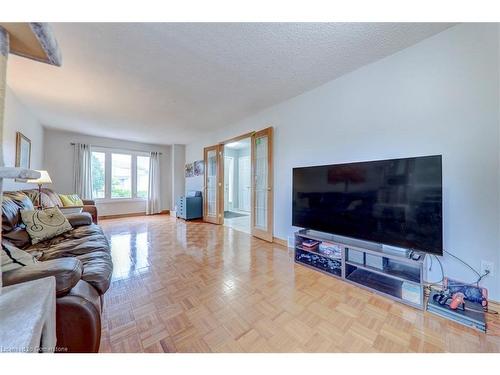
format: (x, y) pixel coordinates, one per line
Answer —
(83, 171)
(154, 201)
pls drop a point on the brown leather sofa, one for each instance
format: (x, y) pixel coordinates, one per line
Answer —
(81, 262)
(51, 199)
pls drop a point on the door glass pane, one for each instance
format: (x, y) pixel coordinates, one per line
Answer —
(98, 174)
(211, 183)
(261, 183)
(142, 176)
(121, 176)
(244, 183)
(228, 183)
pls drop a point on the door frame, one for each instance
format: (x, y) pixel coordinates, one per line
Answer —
(267, 235)
(222, 144)
(219, 217)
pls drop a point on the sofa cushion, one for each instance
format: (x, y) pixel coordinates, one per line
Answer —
(12, 203)
(45, 224)
(89, 244)
(33, 195)
(67, 272)
(49, 198)
(97, 269)
(79, 219)
(14, 258)
(54, 197)
(78, 241)
(18, 237)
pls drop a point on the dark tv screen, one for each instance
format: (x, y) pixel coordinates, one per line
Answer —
(395, 202)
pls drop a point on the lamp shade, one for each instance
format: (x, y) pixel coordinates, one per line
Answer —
(43, 179)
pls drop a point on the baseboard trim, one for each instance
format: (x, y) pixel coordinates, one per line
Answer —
(496, 305)
(133, 214)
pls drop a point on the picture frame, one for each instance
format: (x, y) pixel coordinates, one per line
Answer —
(189, 170)
(199, 167)
(23, 151)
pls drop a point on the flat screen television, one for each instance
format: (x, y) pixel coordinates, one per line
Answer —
(395, 202)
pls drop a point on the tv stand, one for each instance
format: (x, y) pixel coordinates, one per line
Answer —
(380, 269)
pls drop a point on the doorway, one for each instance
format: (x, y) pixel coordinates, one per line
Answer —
(234, 197)
(237, 185)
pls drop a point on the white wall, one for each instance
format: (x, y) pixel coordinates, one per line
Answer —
(177, 172)
(440, 96)
(19, 118)
(59, 163)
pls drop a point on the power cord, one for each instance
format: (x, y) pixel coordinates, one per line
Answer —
(463, 262)
(476, 283)
(440, 282)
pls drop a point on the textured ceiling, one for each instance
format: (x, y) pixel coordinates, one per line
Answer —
(168, 82)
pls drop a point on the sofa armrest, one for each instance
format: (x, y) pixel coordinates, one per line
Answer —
(67, 271)
(78, 320)
(78, 220)
(88, 202)
(92, 210)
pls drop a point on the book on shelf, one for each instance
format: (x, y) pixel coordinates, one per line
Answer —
(310, 244)
(330, 249)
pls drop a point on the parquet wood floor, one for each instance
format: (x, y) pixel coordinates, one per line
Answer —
(196, 287)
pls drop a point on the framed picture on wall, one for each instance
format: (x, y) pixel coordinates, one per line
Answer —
(23, 151)
(199, 166)
(189, 170)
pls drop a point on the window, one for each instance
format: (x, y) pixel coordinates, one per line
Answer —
(142, 176)
(119, 174)
(98, 174)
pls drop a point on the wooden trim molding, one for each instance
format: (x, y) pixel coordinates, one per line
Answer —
(219, 202)
(237, 138)
(133, 214)
(267, 233)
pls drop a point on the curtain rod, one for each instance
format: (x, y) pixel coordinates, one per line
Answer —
(118, 148)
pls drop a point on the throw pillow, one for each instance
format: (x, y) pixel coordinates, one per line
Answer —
(45, 202)
(45, 224)
(14, 258)
(70, 200)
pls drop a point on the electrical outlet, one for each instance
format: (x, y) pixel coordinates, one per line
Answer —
(487, 266)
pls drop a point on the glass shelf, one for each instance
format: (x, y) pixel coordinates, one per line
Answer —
(316, 252)
(318, 261)
(381, 283)
(384, 265)
(367, 265)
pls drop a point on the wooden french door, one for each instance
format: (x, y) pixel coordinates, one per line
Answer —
(212, 190)
(262, 180)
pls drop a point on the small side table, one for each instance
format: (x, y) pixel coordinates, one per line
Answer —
(28, 317)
